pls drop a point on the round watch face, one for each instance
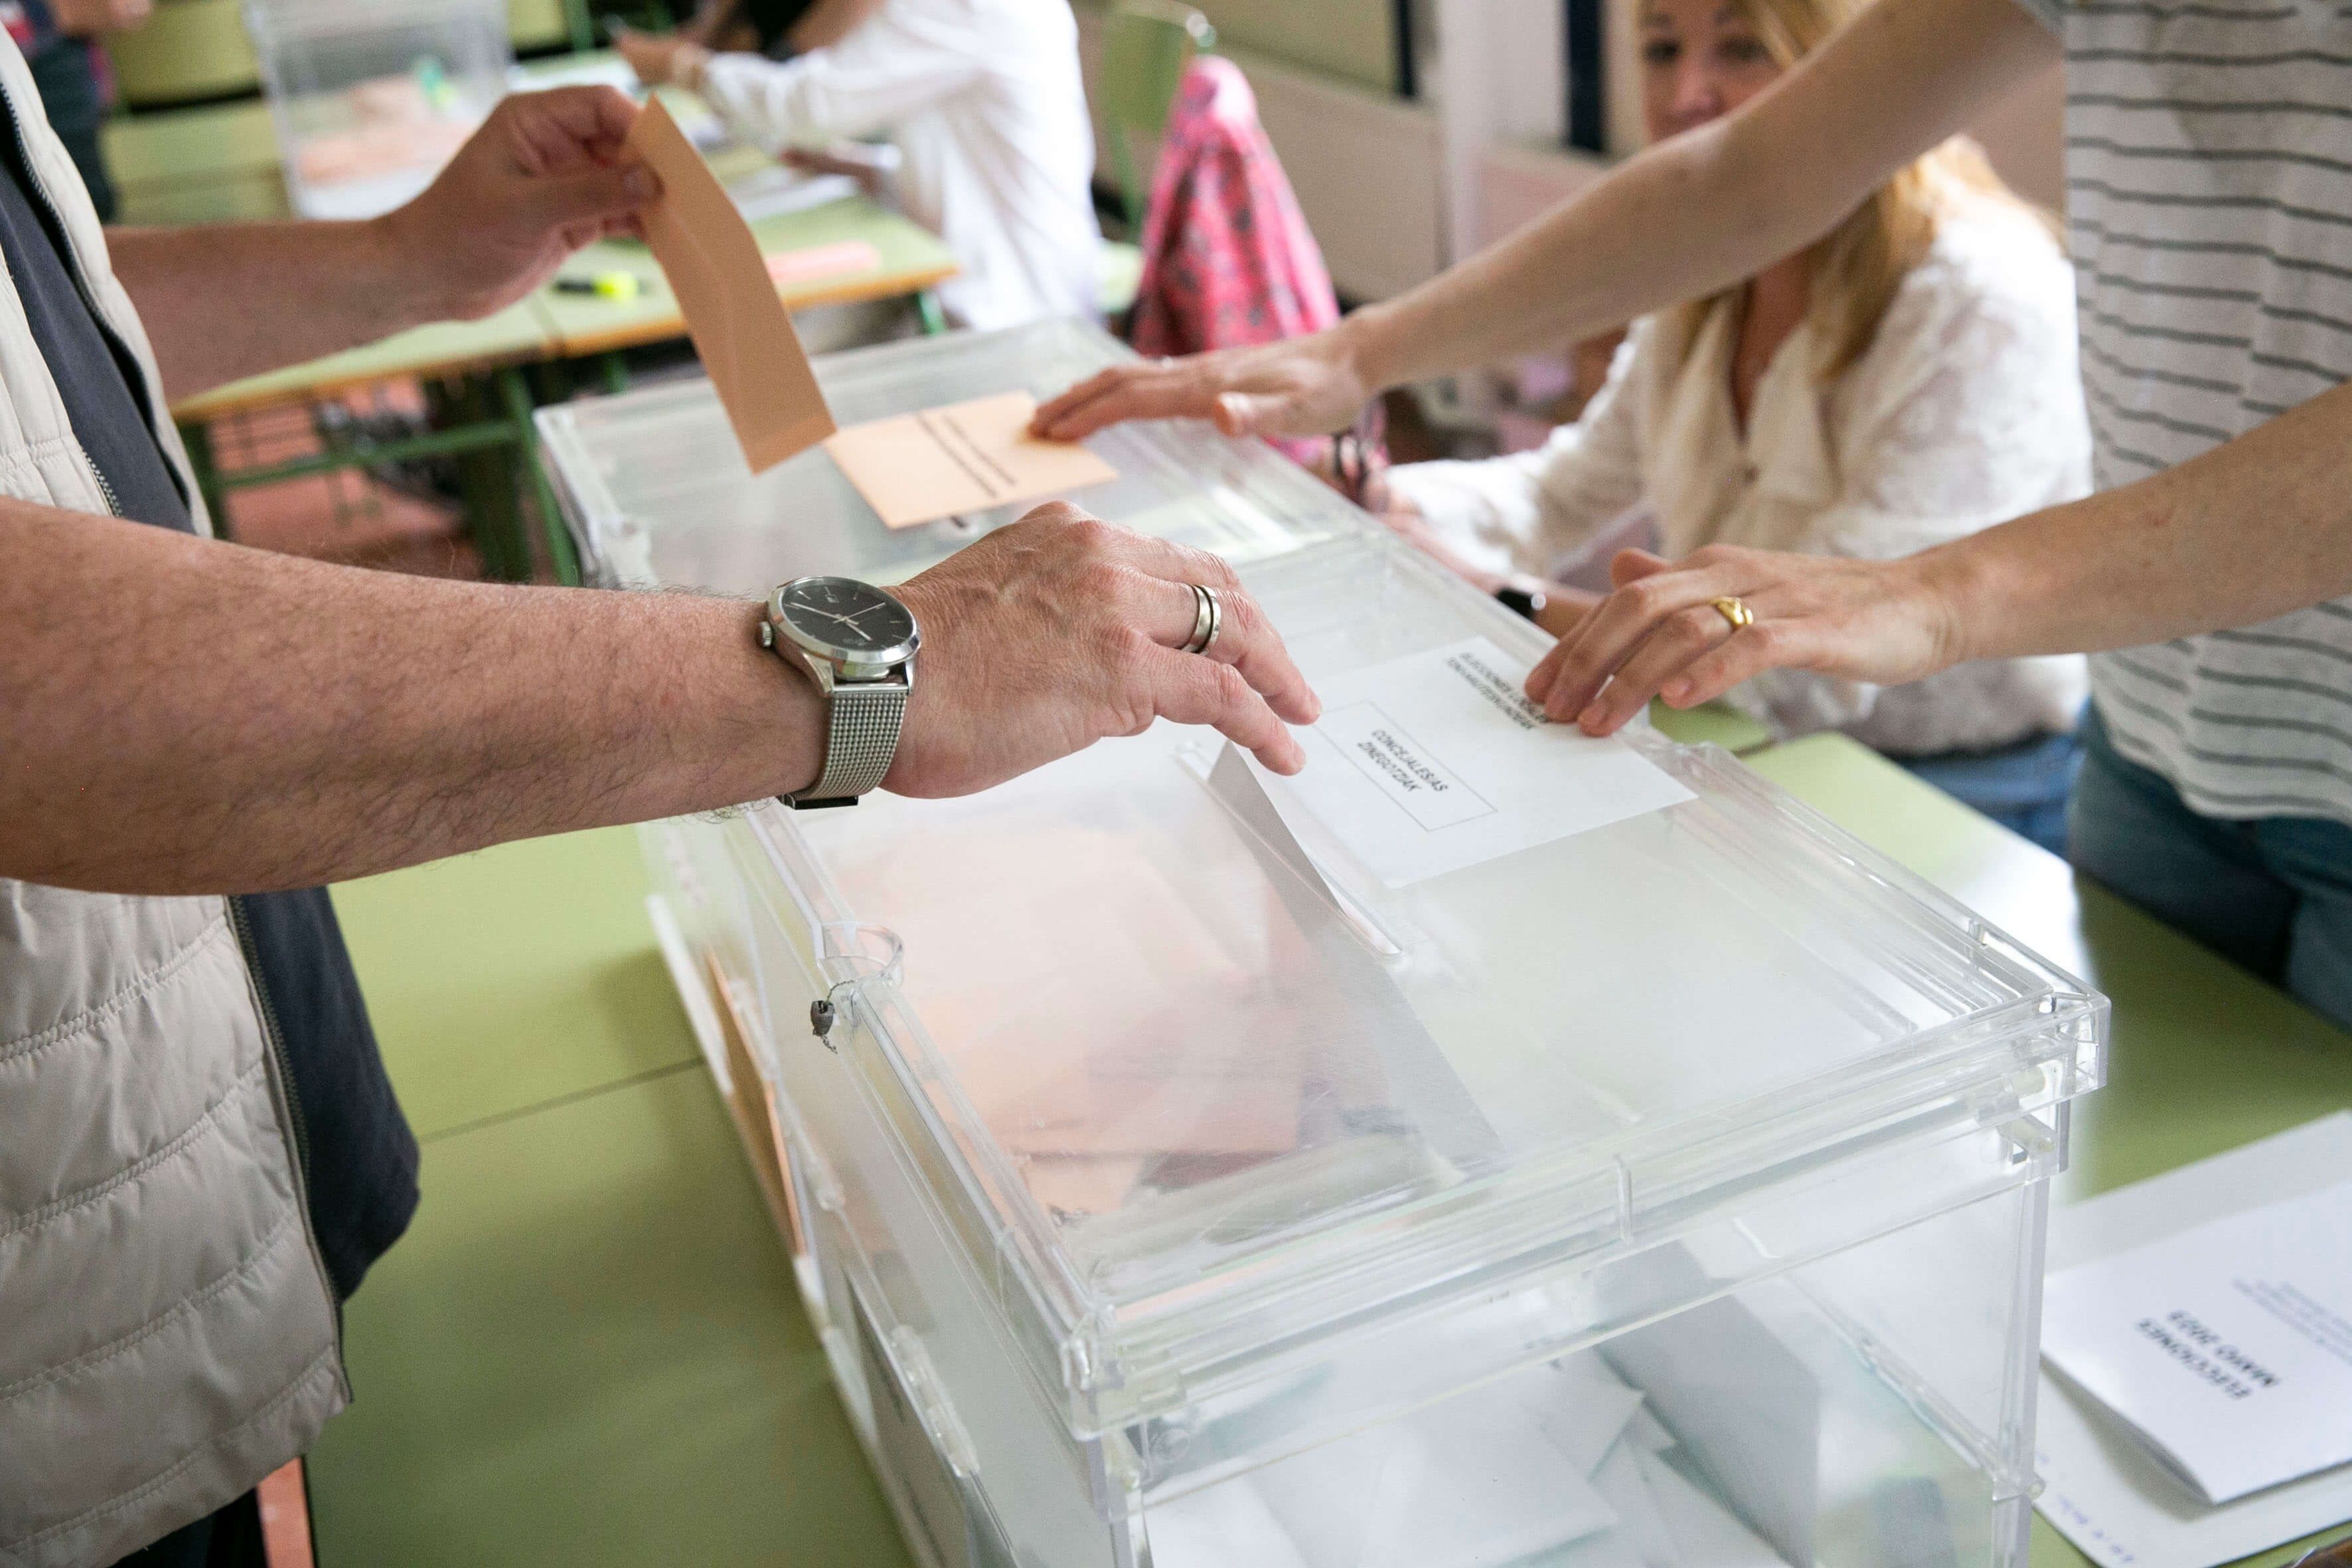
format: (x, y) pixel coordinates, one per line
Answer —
(846, 619)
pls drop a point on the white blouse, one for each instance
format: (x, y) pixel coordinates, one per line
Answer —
(1966, 410)
(985, 100)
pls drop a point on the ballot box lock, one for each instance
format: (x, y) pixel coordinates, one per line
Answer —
(823, 1013)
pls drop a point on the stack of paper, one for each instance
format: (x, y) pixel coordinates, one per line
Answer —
(1562, 1466)
(2197, 1355)
(2227, 1348)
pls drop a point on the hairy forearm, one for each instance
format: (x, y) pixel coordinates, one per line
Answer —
(1719, 204)
(236, 299)
(2251, 530)
(186, 716)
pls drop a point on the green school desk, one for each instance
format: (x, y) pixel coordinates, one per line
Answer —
(220, 163)
(587, 1350)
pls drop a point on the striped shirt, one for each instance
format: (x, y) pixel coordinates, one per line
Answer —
(2209, 184)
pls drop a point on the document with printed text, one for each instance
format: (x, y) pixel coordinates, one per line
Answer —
(1436, 760)
(914, 468)
(2227, 1348)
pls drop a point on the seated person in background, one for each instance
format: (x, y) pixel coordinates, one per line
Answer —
(776, 28)
(57, 38)
(984, 100)
(1909, 379)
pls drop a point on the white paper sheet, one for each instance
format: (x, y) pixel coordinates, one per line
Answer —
(1583, 1409)
(1647, 1433)
(2102, 1489)
(1641, 1527)
(1705, 1534)
(1226, 1526)
(2227, 1347)
(1740, 1404)
(1435, 762)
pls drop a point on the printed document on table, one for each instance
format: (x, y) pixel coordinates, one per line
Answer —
(2104, 1486)
(2228, 1347)
(1436, 760)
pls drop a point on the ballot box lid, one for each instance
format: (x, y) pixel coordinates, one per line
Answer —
(655, 488)
(1193, 1096)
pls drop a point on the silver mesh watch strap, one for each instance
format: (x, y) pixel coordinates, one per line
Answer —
(861, 739)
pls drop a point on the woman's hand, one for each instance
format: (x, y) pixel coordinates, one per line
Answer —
(660, 59)
(1309, 385)
(1659, 633)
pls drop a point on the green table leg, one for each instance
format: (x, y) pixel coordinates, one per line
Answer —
(563, 559)
(926, 305)
(198, 437)
(485, 478)
(615, 366)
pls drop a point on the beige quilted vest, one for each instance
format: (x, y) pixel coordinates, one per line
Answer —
(167, 1332)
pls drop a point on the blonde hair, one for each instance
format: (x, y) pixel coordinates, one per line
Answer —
(1854, 270)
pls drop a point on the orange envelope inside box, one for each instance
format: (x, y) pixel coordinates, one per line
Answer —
(968, 456)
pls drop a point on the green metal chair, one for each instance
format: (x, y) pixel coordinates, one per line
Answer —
(1147, 44)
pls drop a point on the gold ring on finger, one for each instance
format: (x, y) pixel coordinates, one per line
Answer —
(1735, 611)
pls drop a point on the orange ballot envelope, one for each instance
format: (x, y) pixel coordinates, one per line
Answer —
(739, 326)
(967, 457)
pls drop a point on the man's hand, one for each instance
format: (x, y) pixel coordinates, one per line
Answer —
(544, 175)
(1061, 630)
(1885, 622)
(1301, 386)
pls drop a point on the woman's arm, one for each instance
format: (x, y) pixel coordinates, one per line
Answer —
(1682, 220)
(2251, 530)
(884, 70)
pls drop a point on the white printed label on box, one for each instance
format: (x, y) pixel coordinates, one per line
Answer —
(1437, 760)
(2227, 1348)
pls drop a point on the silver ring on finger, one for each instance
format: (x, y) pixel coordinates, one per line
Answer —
(1208, 620)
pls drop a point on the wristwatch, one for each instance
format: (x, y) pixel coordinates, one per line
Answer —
(857, 642)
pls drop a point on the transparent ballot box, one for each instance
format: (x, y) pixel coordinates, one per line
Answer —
(372, 97)
(1168, 1192)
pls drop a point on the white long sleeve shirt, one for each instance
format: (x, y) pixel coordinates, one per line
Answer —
(1966, 410)
(984, 100)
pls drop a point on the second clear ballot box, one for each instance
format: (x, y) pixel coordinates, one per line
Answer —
(1170, 1190)
(370, 100)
